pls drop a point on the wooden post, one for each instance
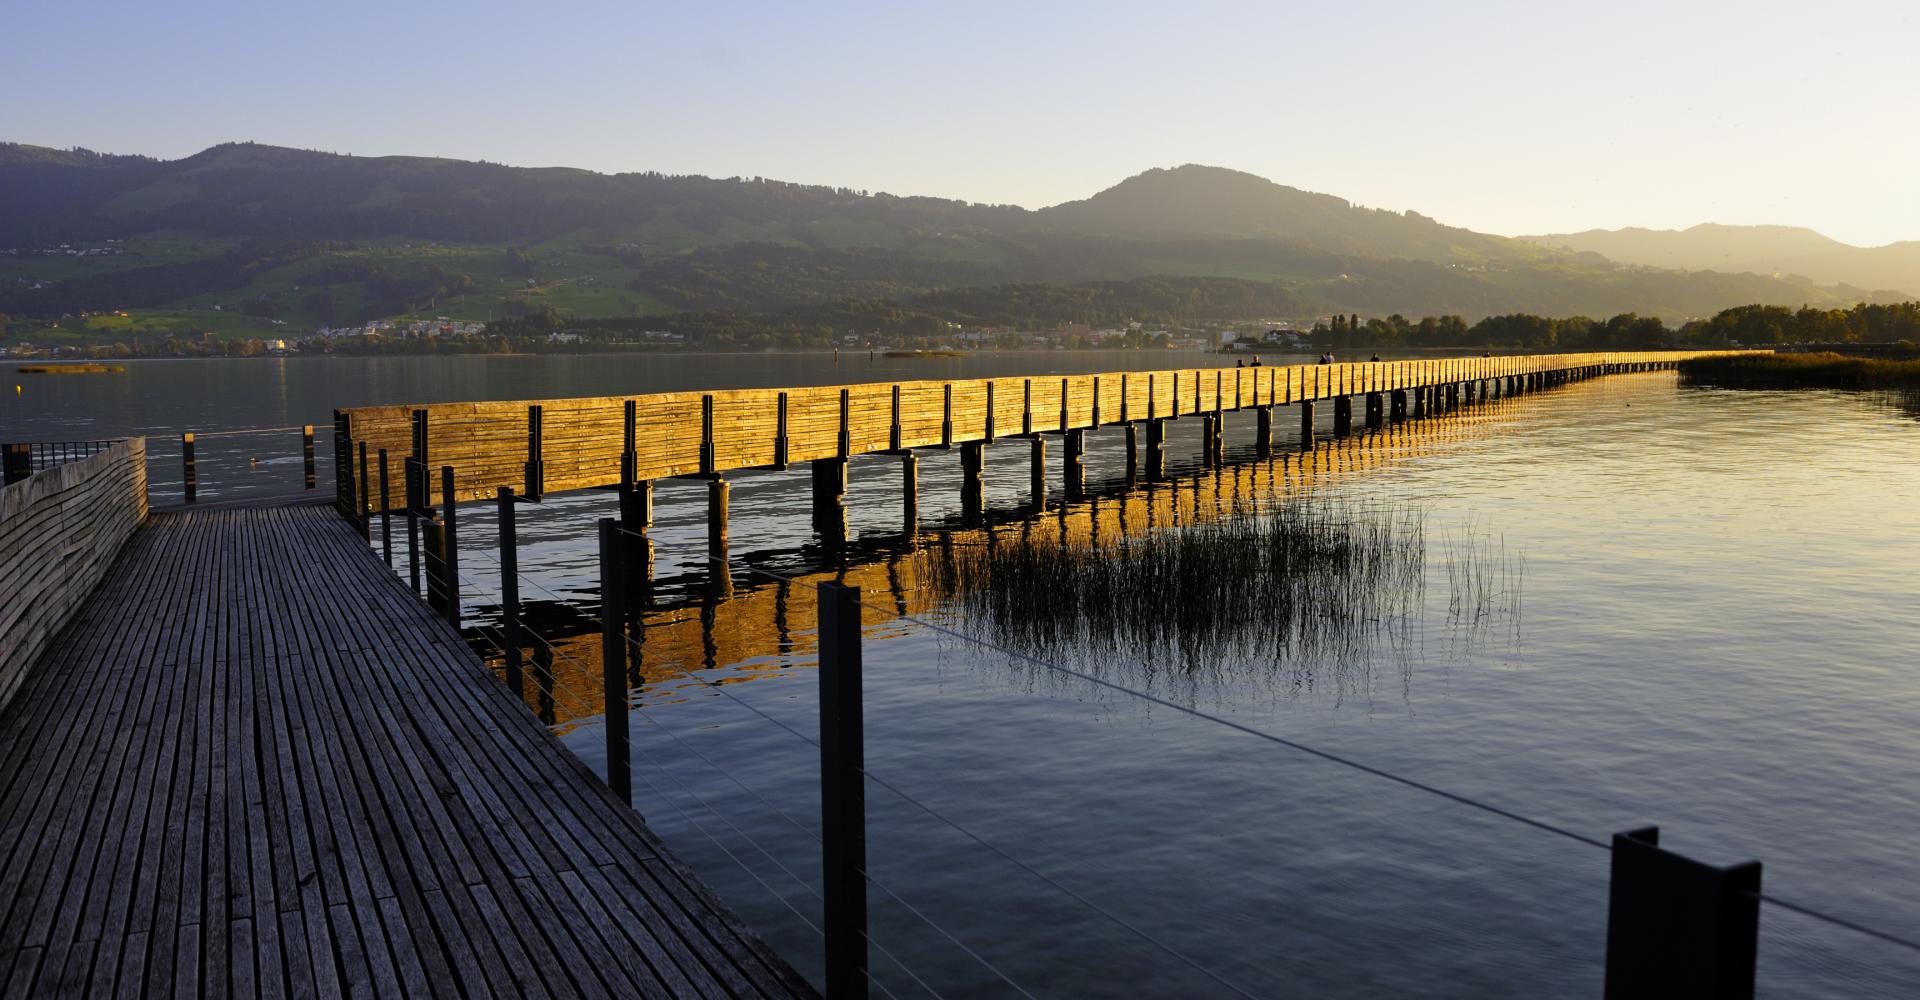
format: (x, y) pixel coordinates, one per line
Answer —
(1342, 415)
(706, 434)
(433, 539)
(636, 520)
(410, 483)
(510, 596)
(306, 451)
(910, 493)
(1156, 448)
(780, 436)
(843, 799)
(629, 448)
(450, 551)
(1263, 429)
(1376, 409)
(386, 515)
(1207, 422)
(973, 492)
(1679, 928)
(1133, 450)
(946, 415)
(1397, 405)
(830, 500)
(893, 432)
(536, 468)
(1037, 482)
(192, 482)
(19, 462)
(613, 661)
(1306, 425)
(1073, 464)
(366, 515)
(717, 565)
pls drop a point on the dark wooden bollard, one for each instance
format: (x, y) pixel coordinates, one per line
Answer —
(1073, 469)
(613, 661)
(1306, 425)
(1397, 400)
(306, 450)
(830, 499)
(718, 568)
(19, 462)
(1037, 482)
(366, 513)
(1263, 431)
(1133, 451)
(1419, 402)
(187, 466)
(1207, 424)
(433, 538)
(843, 799)
(450, 548)
(1677, 928)
(1156, 448)
(909, 493)
(410, 482)
(386, 513)
(1376, 409)
(973, 479)
(510, 596)
(1342, 415)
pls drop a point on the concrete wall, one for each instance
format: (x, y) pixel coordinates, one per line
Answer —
(59, 533)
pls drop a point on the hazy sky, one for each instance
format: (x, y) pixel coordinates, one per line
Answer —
(1507, 118)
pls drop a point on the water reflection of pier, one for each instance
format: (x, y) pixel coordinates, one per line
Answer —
(765, 624)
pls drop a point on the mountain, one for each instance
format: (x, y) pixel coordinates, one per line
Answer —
(303, 238)
(1784, 250)
(1197, 203)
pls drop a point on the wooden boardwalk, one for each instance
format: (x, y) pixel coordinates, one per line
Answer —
(256, 765)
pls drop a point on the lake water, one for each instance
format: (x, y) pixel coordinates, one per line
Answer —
(1701, 616)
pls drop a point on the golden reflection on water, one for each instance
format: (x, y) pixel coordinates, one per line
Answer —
(766, 626)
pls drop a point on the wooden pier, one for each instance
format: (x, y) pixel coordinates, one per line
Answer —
(254, 764)
(466, 451)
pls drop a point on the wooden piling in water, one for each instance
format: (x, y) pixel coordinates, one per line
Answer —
(1037, 484)
(1342, 415)
(910, 493)
(1073, 464)
(1306, 425)
(717, 565)
(1156, 448)
(973, 480)
(1263, 431)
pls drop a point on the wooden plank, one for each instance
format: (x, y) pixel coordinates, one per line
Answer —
(295, 779)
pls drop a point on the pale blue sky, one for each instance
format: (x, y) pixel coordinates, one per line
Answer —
(1508, 118)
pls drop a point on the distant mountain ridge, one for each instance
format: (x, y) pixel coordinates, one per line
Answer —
(1786, 250)
(312, 238)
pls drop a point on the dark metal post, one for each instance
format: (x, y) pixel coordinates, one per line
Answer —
(843, 799)
(386, 517)
(1679, 928)
(450, 552)
(510, 595)
(366, 517)
(536, 467)
(306, 450)
(613, 660)
(187, 465)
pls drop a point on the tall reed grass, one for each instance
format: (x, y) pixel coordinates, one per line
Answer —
(1786, 371)
(1296, 584)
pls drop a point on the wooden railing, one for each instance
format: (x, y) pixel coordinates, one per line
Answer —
(553, 445)
(60, 528)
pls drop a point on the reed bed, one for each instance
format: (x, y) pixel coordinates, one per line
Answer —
(1297, 585)
(1788, 371)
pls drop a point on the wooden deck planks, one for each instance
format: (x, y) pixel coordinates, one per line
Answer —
(254, 765)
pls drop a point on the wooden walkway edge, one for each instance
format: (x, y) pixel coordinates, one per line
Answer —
(255, 765)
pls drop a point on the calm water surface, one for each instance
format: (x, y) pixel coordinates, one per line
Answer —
(1713, 631)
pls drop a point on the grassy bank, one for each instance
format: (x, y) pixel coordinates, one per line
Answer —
(1787, 371)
